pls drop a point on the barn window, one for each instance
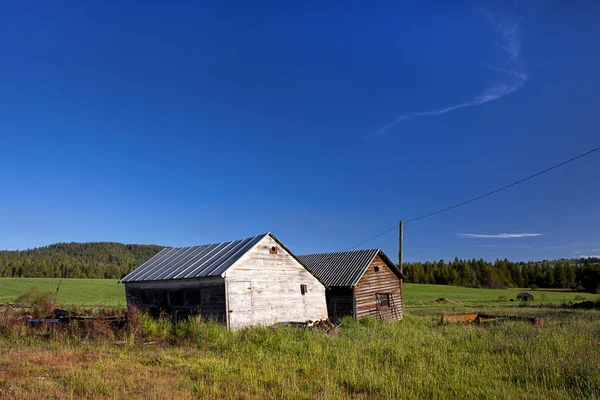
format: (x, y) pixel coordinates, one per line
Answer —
(192, 298)
(160, 298)
(303, 289)
(136, 295)
(273, 250)
(376, 268)
(176, 298)
(383, 299)
(148, 296)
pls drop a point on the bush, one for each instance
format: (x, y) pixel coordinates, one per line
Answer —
(11, 323)
(579, 297)
(134, 321)
(156, 329)
(544, 296)
(503, 298)
(97, 329)
(41, 301)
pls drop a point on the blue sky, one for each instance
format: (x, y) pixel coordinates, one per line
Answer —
(322, 122)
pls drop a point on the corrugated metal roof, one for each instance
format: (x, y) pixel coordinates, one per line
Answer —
(343, 268)
(192, 262)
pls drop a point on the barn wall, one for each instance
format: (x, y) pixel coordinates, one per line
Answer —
(264, 289)
(379, 282)
(205, 297)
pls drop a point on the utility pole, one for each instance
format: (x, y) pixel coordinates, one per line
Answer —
(400, 232)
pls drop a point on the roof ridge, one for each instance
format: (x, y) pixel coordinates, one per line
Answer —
(261, 235)
(340, 252)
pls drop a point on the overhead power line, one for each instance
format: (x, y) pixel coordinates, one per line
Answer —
(477, 198)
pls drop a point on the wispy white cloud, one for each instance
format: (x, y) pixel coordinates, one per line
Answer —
(514, 78)
(496, 235)
(507, 28)
(497, 246)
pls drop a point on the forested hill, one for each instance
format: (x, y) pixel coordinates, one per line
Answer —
(76, 260)
(114, 260)
(582, 274)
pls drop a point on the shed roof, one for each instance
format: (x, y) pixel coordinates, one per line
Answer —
(524, 294)
(192, 262)
(344, 268)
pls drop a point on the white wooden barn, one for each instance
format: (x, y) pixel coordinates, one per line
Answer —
(248, 282)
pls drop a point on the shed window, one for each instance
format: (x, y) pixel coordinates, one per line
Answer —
(160, 298)
(192, 298)
(273, 250)
(376, 268)
(148, 296)
(383, 299)
(303, 289)
(176, 298)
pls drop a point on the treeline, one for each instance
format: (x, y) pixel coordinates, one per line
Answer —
(115, 260)
(76, 260)
(581, 274)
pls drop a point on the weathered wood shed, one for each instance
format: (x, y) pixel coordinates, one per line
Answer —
(362, 283)
(525, 296)
(253, 281)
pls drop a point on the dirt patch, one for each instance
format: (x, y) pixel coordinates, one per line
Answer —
(444, 300)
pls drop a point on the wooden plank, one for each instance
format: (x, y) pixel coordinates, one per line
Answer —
(380, 281)
(274, 281)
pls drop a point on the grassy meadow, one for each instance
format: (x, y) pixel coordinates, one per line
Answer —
(415, 358)
(86, 292)
(110, 292)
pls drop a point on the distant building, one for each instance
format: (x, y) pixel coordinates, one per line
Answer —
(362, 283)
(525, 296)
(253, 281)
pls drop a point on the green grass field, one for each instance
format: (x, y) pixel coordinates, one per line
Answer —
(423, 295)
(72, 291)
(109, 292)
(414, 358)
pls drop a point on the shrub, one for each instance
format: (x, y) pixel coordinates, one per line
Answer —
(96, 329)
(544, 297)
(503, 297)
(579, 297)
(42, 302)
(134, 321)
(11, 323)
(156, 329)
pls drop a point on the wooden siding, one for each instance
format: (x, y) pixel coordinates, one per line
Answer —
(374, 282)
(264, 289)
(209, 293)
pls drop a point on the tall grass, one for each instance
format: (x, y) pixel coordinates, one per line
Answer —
(415, 358)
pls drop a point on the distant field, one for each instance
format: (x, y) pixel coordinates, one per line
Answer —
(72, 291)
(421, 295)
(110, 292)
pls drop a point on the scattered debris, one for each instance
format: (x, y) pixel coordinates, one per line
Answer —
(326, 325)
(587, 305)
(63, 316)
(483, 318)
